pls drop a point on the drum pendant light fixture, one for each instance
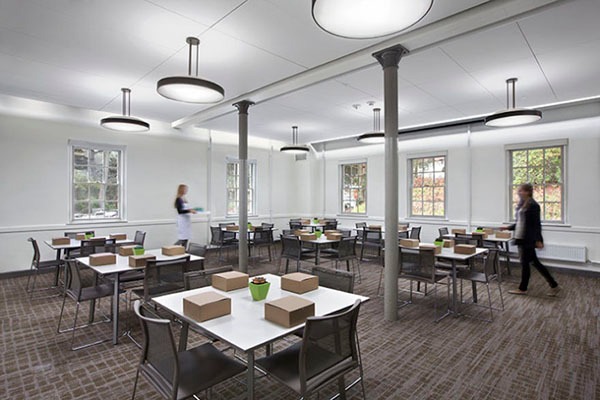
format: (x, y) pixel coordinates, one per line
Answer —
(295, 148)
(190, 88)
(366, 19)
(125, 122)
(512, 116)
(376, 136)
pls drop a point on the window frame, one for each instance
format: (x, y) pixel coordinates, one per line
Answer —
(252, 165)
(341, 166)
(509, 149)
(409, 159)
(122, 173)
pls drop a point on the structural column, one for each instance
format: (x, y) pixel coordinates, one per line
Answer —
(242, 107)
(389, 59)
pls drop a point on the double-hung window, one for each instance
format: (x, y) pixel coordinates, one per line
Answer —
(354, 188)
(233, 187)
(96, 181)
(428, 186)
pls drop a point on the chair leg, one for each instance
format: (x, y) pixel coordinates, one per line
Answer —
(380, 279)
(33, 285)
(287, 265)
(342, 387)
(137, 375)
(362, 252)
(269, 250)
(74, 325)
(28, 279)
(490, 301)
(434, 302)
(501, 299)
(61, 313)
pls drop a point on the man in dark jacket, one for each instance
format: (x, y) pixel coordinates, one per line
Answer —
(528, 236)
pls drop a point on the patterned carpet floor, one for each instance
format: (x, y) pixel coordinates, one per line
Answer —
(537, 348)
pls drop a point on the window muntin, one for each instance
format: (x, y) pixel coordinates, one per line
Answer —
(233, 188)
(428, 186)
(354, 188)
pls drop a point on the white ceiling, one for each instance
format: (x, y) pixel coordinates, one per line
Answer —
(80, 53)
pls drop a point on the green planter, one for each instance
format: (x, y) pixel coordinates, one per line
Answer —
(318, 233)
(316, 220)
(138, 251)
(249, 225)
(438, 243)
(259, 292)
(89, 236)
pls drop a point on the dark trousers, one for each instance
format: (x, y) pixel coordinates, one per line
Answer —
(528, 256)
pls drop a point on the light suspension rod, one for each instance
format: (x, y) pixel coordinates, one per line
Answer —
(294, 135)
(193, 42)
(511, 93)
(126, 101)
(376, 119)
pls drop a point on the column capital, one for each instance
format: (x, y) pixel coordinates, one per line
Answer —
(391, 56)
(243, 106)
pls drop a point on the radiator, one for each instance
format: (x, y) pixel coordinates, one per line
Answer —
(563, 253)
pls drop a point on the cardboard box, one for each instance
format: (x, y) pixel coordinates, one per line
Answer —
(375, 227)
(140, 261)
(305, 222)
(173, 250)
(103, 259)
(289, 311)
(488, 231)
(204, 306)
(322, 221)
(464, 249)
(232, 228)
(299, 232)
(503, 235)
(463, 231)
(409, 242)
(61, 241)
(308, 236)
(299, 282)
(328, 231)
(80, 236)
(482, 235)
(231, 280)
(126, 250)
(448, 243)
(402, 227)
(118, 236)
(436, 249)
(334, 236)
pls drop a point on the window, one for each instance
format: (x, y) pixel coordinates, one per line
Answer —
(542, 167)
(354, 188)
(428, 186)
(96, 182)
(233, 187)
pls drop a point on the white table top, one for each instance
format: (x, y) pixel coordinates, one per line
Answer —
(313, 225)
(354, 229)
(122, 264)
(491, 238)
(75, 244)
(246, 328)
(449, 254)
(322, 240)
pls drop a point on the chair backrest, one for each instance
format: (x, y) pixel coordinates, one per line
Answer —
(99, 245)
(403, 235)
(295, 225)
(295, 219)
(346, 247)
(216, 235)
(139, 238)
(36, 252)
(360, 225)
(335, 278)
(263, 236)
(164, 276)
(443, 231)
(199, 279)
(465, 238)
(197, 249)
(345, 232)
(288, 232)
(418, 262)
(73, 279)
(291, 247)
(330, 225)
(372, 236)
(415, 232)
(266, 225)
(328, 346)
(491, 263)
(159, 360)
(226, 224)
(72, 235)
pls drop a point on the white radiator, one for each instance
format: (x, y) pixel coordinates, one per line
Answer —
(563, 253)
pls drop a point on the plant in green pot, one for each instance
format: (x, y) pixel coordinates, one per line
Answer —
(138, 251)
(318, 233)
(259, 288)
(89, 236)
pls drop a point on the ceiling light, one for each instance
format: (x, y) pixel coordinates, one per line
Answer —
(364, 19)
(376, 136)
(125, 122)
(512, 116)
(295, 148)
(190, 89)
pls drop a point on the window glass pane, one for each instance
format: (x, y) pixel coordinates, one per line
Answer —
(81, 192)
(519, 176)
(428, 165)
(536, 157)
(96, 174)
(427, 194)
(418, 180)
(113, 159)
(553, 212)
(440, 179)
(440, 164)
(553, 174)
(438, 209)
(112, 175)
(427, 208)
(438, 194)
(519, 158)
(95, 191)
(417, 208)
(417, 194)
(97, 157)
(80, 156)
(111, 209)
(538, 192)
(80, 209)
(553, 193)
(536, 175)
(427, 179)
(112, 192)
(80, 174)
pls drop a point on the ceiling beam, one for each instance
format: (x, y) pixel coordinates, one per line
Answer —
(484, 16)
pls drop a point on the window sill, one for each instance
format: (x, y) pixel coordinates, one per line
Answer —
(545, 224)
(352, 215)
(237, 216)
(427, 219)
(98, 221)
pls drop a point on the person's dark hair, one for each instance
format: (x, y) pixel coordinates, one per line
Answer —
(528, 187)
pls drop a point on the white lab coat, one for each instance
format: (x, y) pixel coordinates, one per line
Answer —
(184, 224)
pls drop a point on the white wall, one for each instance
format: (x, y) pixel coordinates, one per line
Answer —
(34, 170)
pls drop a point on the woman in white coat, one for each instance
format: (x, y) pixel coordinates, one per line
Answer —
(184, 218)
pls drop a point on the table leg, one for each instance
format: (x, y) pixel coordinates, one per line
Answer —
(58, 259)
(317, 254)
(507, 258)
(116, 311)
(93, 302)
(269, 349)
(454, 290)
(250, 373)
(474, 287)
(183, 336)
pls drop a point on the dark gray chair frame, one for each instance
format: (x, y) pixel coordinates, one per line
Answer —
(36, 266)
(371, 238)
(345, 251)
(415, 232)
(218, 240)
(139, 238)
(292, 249)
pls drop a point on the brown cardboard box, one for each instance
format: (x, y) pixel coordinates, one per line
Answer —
(299, 282)
(289, 311)
(448, 243)
(463, 231)
(231, 280)
(409, 242)
(204, 306)
(61, 241)
(503, 235)
(436, 249)
(173, 250)
(322, 221)
(308, 236)
(140, 261)
(334, 236)
(483, 235)
(328, 231)
(126, 250)
(103, 259)
(118, 236)
(299, 232)
(305, 222)
(488, 231)
(232, 228)
(375, 227)
(464, 249)
(402, 227)
(80, 236)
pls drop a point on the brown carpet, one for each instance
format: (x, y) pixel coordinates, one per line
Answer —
(538, 348)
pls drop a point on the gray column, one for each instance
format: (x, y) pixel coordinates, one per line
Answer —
(389, 59)
(242, 107)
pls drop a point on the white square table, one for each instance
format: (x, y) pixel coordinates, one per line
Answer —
(122, 266)
(245, 328)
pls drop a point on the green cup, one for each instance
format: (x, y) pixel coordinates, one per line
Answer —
(138, 251)
(260, 291)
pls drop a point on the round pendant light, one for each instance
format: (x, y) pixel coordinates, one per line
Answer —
(376, 136)
(295, 148)
(365, 19)
(512, 116)
(190, 88)
(125, 122)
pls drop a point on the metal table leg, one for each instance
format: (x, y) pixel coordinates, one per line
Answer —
(183, 336)
(317, 253)
(250, 373)
(58, 259)
(116, 311)
(93, 302)
(473, 286)
(454, 290)
(269, 349)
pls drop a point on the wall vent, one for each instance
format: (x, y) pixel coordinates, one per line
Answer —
(301, 157)
(563, 253)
